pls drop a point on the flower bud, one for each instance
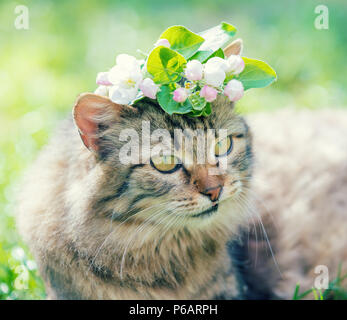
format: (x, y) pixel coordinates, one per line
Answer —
(162, 42)
(214, 75)
(102, 79)
(209, 93)
(218, 63)
(180, 95)
(149, 88)
(194, 70)
(234, 90)
(236, 64)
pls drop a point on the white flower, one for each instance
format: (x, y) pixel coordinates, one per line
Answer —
(149, 88)
(102, 79)
(214, 74)
(236, 64)
(126, 76)
(218, 63)
(194, 70)
(214, 71)
(126, 73)
(162, 42)
(122, 95)
(234, 90)
(101, 90)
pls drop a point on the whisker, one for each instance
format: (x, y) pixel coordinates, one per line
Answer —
(136, 233)
(254, 211)
(118, 226)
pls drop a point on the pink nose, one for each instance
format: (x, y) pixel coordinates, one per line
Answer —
(213, 193)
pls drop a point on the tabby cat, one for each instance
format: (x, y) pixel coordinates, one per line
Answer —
(100, 229)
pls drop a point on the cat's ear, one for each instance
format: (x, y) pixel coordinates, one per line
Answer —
(92, 114)
(235, 48)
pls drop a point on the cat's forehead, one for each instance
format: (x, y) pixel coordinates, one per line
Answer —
(222, 117)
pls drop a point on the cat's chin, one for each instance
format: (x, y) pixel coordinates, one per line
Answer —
(206, 213)
(226, 216)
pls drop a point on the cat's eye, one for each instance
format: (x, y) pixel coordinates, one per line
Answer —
(223, 147)
(165, 164)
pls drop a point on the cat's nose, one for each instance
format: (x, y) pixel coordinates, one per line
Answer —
(213, 193)
(208, 185)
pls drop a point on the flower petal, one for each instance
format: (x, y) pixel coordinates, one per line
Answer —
(194, 70)
(234, 90)
(209, 93)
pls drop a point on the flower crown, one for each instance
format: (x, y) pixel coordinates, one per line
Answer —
(185, 72)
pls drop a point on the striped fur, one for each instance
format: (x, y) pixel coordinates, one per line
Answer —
(103, 230)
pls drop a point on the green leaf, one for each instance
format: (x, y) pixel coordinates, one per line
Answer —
(204, 56)
(257, 74)
(198, 103)
(219, 53)
(207, 110)
(169, 105)
(165, 65)
(137, 99)
(204, 112)
(182, 40)
(185, 107)
(215, 38)
(296, 292)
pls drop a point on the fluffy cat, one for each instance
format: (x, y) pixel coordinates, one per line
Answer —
(100, 229)
(103, 230)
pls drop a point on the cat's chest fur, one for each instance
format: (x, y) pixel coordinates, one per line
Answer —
(187, 272)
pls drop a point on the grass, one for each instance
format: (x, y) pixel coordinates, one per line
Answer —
(335, 290)
(18, 275)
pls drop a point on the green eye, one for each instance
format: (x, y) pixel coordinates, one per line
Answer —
(165, 164)
(223, 147)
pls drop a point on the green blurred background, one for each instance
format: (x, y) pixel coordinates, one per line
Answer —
(43, 69)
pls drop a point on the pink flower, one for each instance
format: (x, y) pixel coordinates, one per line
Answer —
(235, 64)
(162, 42)
(194, 70)
(149, 88)
(234, 90)
(180, 95)
(209, 93)
(102, 79)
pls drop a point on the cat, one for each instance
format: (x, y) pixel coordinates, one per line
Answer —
(100, 229)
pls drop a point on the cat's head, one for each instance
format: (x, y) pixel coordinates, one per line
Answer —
(168, 170)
